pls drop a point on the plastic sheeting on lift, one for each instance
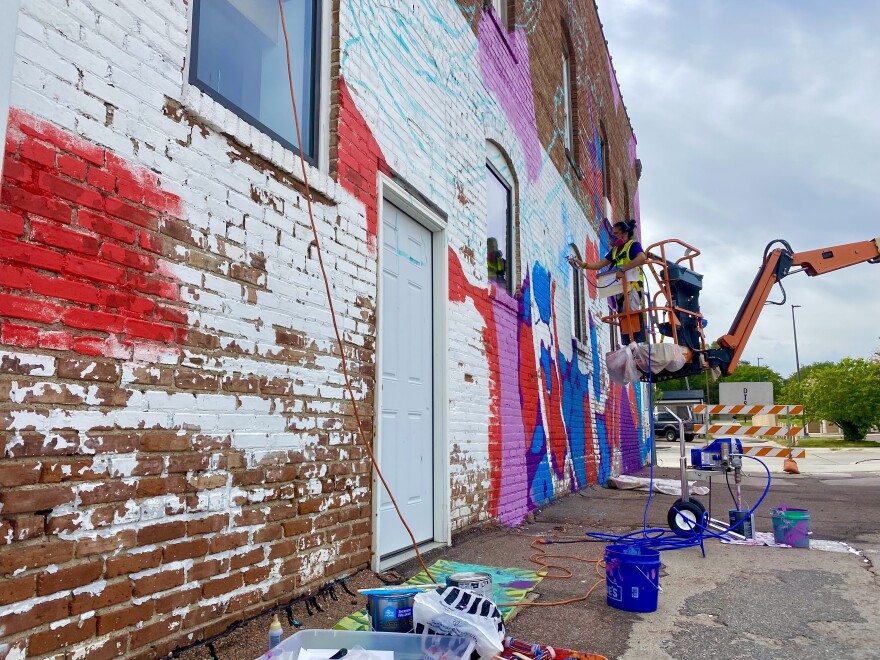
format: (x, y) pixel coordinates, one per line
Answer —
(629, 363)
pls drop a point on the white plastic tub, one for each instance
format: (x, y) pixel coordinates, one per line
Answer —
(405, 646)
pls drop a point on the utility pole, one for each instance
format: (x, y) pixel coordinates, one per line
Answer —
(797, 362)
(759, 369)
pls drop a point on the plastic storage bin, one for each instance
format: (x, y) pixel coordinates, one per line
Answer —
(405, 646)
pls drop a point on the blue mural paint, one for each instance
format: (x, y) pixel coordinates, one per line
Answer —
(525, 305)
(575, 396)
(542, 484)
(541, 279)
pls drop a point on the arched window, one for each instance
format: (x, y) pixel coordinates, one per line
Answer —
(500, 236)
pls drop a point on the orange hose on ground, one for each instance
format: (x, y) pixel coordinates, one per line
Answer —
(540, 557)
(360, 431)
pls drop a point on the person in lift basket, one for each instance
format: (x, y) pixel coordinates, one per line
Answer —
(627, 255)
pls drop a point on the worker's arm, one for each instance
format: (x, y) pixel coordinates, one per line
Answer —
(598, 265)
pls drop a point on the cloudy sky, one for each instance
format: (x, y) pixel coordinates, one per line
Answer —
(759, 120)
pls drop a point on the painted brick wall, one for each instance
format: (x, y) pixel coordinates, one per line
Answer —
(177, 448)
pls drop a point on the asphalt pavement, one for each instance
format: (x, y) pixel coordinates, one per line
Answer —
(737, 601)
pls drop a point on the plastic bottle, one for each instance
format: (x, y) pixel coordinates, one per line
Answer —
(275, 632)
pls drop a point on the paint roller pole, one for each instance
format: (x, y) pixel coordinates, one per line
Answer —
(797, 363)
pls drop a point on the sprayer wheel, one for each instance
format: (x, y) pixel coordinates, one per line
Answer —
(684, 516)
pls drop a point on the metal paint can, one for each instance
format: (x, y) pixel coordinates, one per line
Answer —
(391, 613)
(476, 582)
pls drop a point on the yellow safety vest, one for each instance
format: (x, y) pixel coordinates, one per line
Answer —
(496, 268)
(620, 257)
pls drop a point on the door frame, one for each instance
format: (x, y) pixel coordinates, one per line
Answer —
(433, 220)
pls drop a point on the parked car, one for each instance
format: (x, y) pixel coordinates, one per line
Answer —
(666, 426)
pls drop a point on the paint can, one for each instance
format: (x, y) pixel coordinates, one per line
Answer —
(792, 527)
(476, 582)
(391, 613)
(742, 523)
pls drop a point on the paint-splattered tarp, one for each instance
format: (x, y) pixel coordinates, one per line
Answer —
(509, 585)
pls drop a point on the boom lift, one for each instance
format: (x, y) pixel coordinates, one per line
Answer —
(674, 309)
(674, 312)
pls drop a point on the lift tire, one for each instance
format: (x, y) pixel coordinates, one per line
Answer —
(670, 435)
(684, 516)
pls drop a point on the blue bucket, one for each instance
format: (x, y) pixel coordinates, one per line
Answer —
(632, 575)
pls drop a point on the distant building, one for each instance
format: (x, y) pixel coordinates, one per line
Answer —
(180, 449)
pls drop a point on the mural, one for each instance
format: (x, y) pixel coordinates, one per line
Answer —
(555, 423)
(553, 429)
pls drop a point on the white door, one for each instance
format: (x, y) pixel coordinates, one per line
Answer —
(406, 445)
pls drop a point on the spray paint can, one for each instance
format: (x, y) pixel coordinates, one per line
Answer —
(476, 582)
(275, 632)
(742, 523)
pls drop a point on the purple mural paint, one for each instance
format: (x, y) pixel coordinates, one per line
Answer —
(513, 500)
(504, 66)
(630, 447)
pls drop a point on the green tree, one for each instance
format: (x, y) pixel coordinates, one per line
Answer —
(846, 393)
(790, 393)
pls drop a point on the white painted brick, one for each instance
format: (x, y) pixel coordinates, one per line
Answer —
(22, 96)
(222, 286)
(215, 403)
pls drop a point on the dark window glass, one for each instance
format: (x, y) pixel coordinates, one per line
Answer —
(238, 58)
(498, 229)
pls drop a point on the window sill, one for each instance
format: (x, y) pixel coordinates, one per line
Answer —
(249, 138)
(504, 297)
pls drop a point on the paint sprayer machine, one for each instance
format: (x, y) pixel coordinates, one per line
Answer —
(722, 456)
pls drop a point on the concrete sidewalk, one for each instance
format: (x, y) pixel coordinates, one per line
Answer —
(817, 462)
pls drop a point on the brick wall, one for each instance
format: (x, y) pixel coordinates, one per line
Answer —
(178, 450)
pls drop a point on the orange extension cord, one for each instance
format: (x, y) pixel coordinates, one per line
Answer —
(360, 431)
(540, 557)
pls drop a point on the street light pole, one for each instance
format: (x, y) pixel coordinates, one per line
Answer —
(759, 369)
(797, 362)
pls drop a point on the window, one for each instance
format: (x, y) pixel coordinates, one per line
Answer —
(568, 138)
(500, 7)
(499, 239)
(238, 58)
(578, 305)
(605, 164)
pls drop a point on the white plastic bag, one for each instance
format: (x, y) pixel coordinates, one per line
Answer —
(455, 611)
(621, 365)
(660, 357)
